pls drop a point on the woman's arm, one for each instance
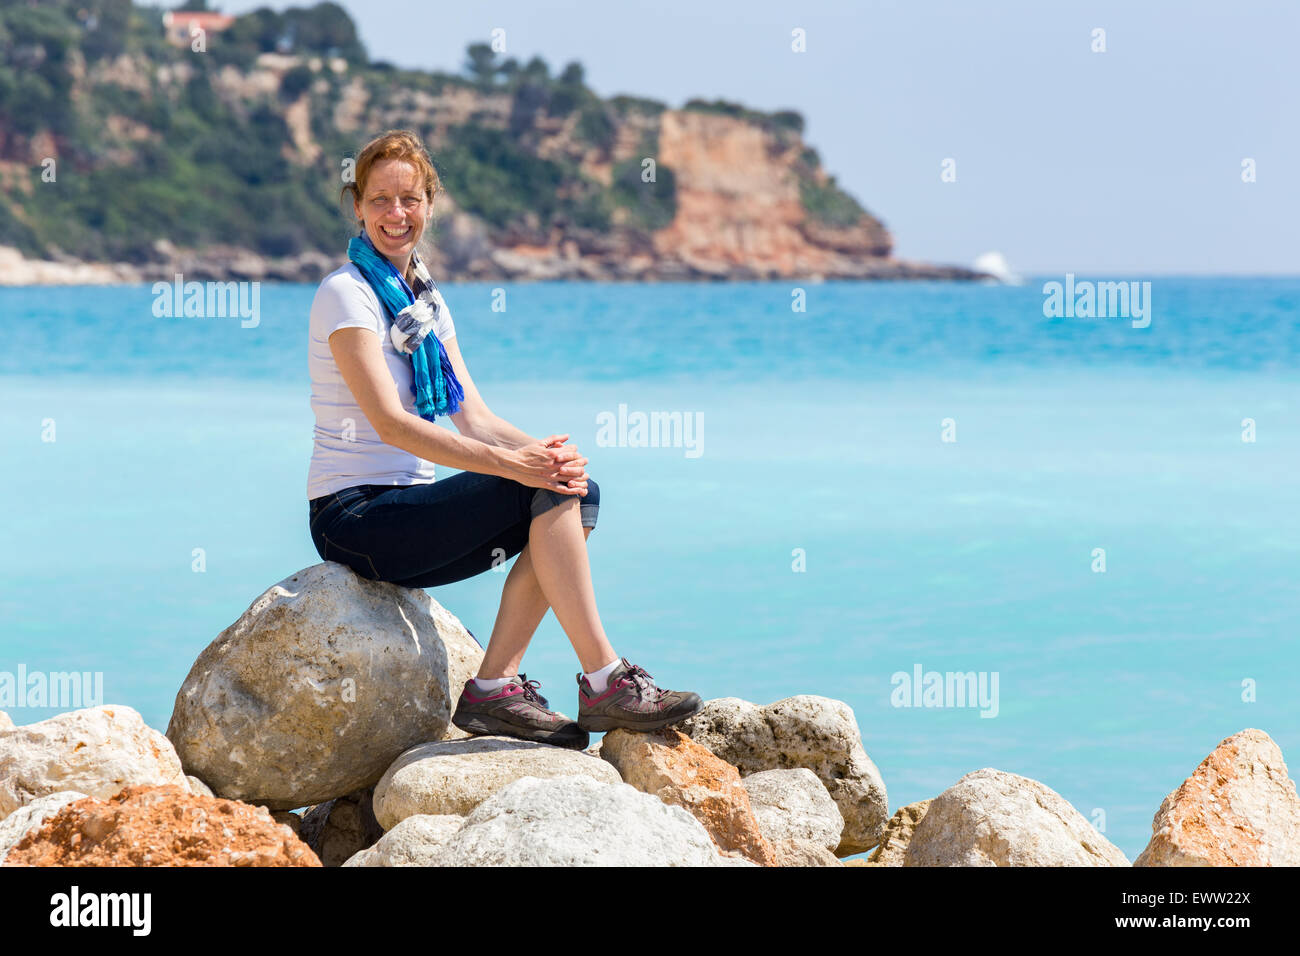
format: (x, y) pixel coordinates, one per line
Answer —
(475, 419)
(360, 360)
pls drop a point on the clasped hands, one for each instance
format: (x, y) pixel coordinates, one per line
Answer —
(550, 463)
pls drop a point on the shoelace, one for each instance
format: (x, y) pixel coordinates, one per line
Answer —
(531, 688)
(645, 683)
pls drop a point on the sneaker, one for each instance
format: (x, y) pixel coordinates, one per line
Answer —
(515, 709)
(633, 702)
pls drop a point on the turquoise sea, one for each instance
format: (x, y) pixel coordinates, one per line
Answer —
(819, 442)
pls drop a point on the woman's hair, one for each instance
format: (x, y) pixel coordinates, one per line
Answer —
(395, 144)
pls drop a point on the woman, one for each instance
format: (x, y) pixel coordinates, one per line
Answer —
(376, 507)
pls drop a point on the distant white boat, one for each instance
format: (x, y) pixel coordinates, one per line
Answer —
(996, 265)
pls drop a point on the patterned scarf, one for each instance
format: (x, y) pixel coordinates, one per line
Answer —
(414, 314)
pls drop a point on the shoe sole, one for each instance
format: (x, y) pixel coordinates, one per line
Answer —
(487, 725)
(602, 722)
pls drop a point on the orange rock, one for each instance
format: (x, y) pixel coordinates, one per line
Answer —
(677, 770)
(738, 202)
(1239, 808)
(161, 826)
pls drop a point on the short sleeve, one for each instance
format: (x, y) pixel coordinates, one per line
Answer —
(445, 328)
(345, 302)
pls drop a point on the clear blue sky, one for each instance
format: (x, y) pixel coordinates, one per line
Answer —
(1123, 162)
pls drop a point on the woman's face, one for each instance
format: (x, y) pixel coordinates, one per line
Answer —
(394, 209)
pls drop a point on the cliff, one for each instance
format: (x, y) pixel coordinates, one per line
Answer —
(128, 154)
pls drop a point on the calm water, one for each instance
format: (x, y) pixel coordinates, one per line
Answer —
(819, 441)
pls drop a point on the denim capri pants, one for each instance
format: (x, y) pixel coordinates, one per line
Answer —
(434, 533)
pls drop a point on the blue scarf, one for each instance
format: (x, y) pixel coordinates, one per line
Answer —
(437, 391)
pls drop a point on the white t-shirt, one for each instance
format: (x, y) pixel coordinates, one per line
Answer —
(347, 449)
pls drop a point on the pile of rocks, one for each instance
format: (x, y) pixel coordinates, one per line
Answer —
(331, 695)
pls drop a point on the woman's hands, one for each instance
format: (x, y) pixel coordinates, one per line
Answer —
(551, 464)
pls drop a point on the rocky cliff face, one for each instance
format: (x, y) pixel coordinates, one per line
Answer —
(542, 179)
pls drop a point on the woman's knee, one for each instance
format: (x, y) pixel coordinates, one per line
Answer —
(543, 500)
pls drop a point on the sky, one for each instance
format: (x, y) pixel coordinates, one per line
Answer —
(1122, 162)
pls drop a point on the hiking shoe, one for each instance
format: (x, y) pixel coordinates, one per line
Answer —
(516, 709)
(632, 701)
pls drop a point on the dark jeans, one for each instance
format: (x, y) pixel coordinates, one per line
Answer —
(426, 535)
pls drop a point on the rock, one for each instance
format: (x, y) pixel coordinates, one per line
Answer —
(898, 834)
(5, 722)
(577, 821)
(289, 819)
(320, 685)
(794, 805)
(992, 818)
(340, 828)
(161, 826)
(413, 842)
(30, 816)
(199, 787)
(1239, 808)
(803, 853)
(669, 765)
(455, 776)
(96, 751)
(805, 731)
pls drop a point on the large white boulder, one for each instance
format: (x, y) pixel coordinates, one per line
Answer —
(455, 776)
(576, 821)
(413, 842)
(794, 805)
(993, 818)
(318, 687)
(96, 751)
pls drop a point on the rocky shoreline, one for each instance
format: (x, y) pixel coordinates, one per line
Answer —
(603, 260)
(315, 731)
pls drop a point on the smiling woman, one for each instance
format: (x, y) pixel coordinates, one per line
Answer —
(384, 364)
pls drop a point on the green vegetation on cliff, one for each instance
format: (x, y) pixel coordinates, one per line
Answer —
(112, 137)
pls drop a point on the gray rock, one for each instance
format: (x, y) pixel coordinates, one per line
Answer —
(96, 751)
(794, 805)
(30, 816)
(455, 776)
(817, 733)
(320, 685)
(339, 828)
(576, 821)
(993, 818)
(413, 842)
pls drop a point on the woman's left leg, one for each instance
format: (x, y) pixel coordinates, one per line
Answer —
(523, 605)
(523, 602)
